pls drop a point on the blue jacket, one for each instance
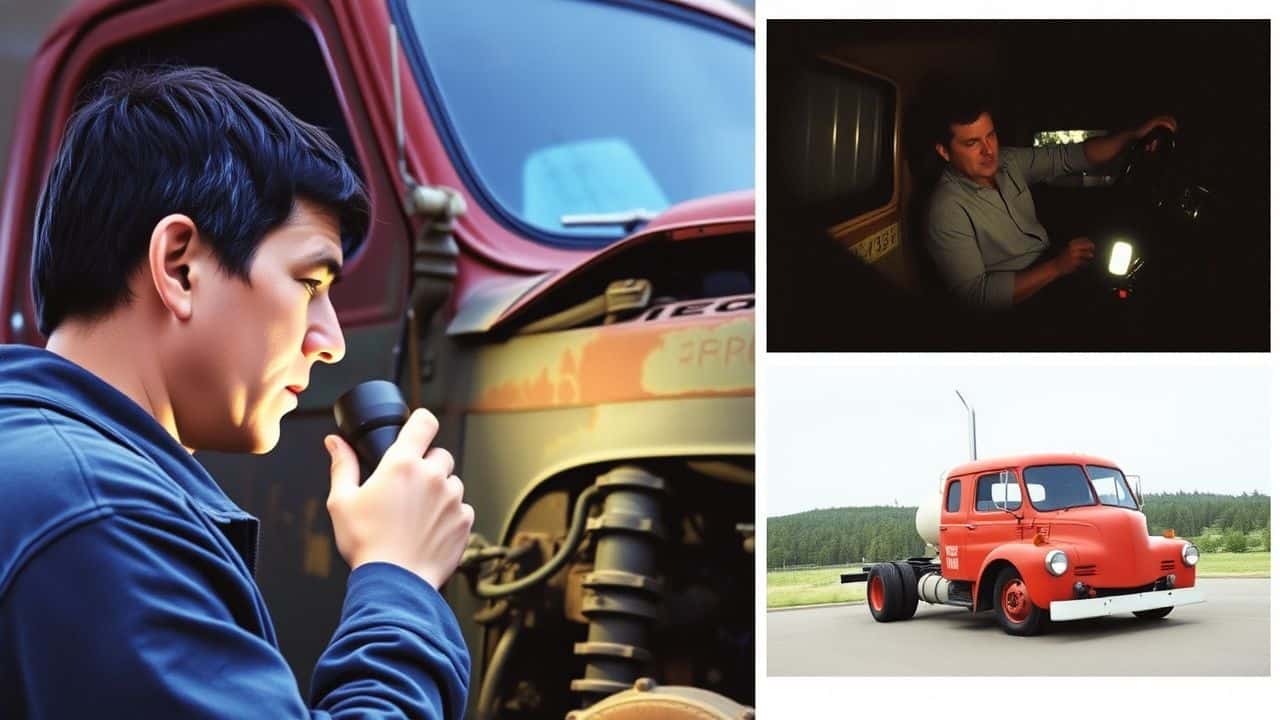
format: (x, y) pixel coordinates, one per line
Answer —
(126, 580)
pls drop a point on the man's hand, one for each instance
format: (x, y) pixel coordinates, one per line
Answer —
(409, 512)
(1101, 150)
(1165, 121)
(1075, 255)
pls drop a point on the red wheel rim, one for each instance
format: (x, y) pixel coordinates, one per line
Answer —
(1014, 600)
(875, 593)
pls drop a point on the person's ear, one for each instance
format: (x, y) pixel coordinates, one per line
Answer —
(174, 249)
(942, 152)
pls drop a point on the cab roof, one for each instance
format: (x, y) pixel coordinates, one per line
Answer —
(1019, 461)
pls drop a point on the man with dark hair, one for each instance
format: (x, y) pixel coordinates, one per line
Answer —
(186, 240)
(983, 234)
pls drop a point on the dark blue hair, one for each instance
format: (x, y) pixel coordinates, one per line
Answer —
(154, 141)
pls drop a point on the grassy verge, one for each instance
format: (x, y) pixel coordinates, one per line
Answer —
(790, 588)
(1249, 564)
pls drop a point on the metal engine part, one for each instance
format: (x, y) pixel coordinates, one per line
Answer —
(621, 594)
(647, 700)
(933, 588)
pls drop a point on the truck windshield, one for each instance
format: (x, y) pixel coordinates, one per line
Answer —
(576, 121)
(1053, 487)
(1111, 488)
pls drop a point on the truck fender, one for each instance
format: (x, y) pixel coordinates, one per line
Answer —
(1028, 559)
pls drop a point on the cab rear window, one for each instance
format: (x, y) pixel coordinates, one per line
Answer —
(830, 140)
(953, 496)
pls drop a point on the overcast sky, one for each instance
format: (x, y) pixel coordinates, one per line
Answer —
(874, 435)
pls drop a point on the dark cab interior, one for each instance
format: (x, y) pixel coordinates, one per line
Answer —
(1195, 213)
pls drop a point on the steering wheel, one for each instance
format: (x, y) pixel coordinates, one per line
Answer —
(1146, 172)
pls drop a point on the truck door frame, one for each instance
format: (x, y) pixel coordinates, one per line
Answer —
(988, 529)
(953, 527)
(386, 249)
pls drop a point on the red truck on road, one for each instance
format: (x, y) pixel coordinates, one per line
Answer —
(1037, 538)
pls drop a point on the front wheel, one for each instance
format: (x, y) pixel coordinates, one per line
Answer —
(1017, 614)
(1154, 614)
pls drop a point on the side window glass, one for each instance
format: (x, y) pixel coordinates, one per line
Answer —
(953, 496)
(991, 491)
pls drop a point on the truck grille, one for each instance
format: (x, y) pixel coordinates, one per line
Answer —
(1166, 566)
(1086, 570)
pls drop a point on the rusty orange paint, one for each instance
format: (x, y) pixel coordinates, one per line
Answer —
(614, 363)
(537, 391)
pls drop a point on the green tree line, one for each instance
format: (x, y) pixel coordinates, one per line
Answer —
(848, 535)
(843, 535)
(1194, 513)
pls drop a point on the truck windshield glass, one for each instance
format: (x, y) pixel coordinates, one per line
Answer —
(1053, 487)
(1063, 137)
(567, 108)
(1111, 488)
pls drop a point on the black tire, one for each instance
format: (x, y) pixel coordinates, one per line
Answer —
(910, 598)
(1017, 614)
(884, 592)
(1153, 614)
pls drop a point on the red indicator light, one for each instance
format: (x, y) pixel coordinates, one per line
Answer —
(1122, 293)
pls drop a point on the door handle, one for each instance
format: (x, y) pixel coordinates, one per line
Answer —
(970, 527)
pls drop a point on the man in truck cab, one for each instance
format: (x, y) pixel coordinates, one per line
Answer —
(981, 226)
(186, 240)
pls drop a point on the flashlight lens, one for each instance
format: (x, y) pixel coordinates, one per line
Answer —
(1121, 256)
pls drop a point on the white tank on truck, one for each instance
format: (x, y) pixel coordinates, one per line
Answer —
(929, 518)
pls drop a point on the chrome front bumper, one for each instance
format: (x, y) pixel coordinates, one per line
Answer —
(1098, 607)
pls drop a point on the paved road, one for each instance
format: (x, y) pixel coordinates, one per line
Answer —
(1229, 634)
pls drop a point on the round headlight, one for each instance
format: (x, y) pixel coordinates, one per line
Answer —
(1055, 561)
(1190, 555)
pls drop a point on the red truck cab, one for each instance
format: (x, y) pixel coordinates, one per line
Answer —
(1058, 533)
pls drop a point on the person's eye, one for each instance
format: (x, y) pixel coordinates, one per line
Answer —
(313, 286)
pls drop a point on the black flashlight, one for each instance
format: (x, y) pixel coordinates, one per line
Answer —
(369, 418)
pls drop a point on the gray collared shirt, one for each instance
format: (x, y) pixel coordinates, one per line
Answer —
(980, 236)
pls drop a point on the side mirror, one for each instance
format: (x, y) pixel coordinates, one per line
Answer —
(1136, 483)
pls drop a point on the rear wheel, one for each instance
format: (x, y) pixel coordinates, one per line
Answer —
(1154, 614)
(910, 598)
(884, 592)
(1017, 614)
